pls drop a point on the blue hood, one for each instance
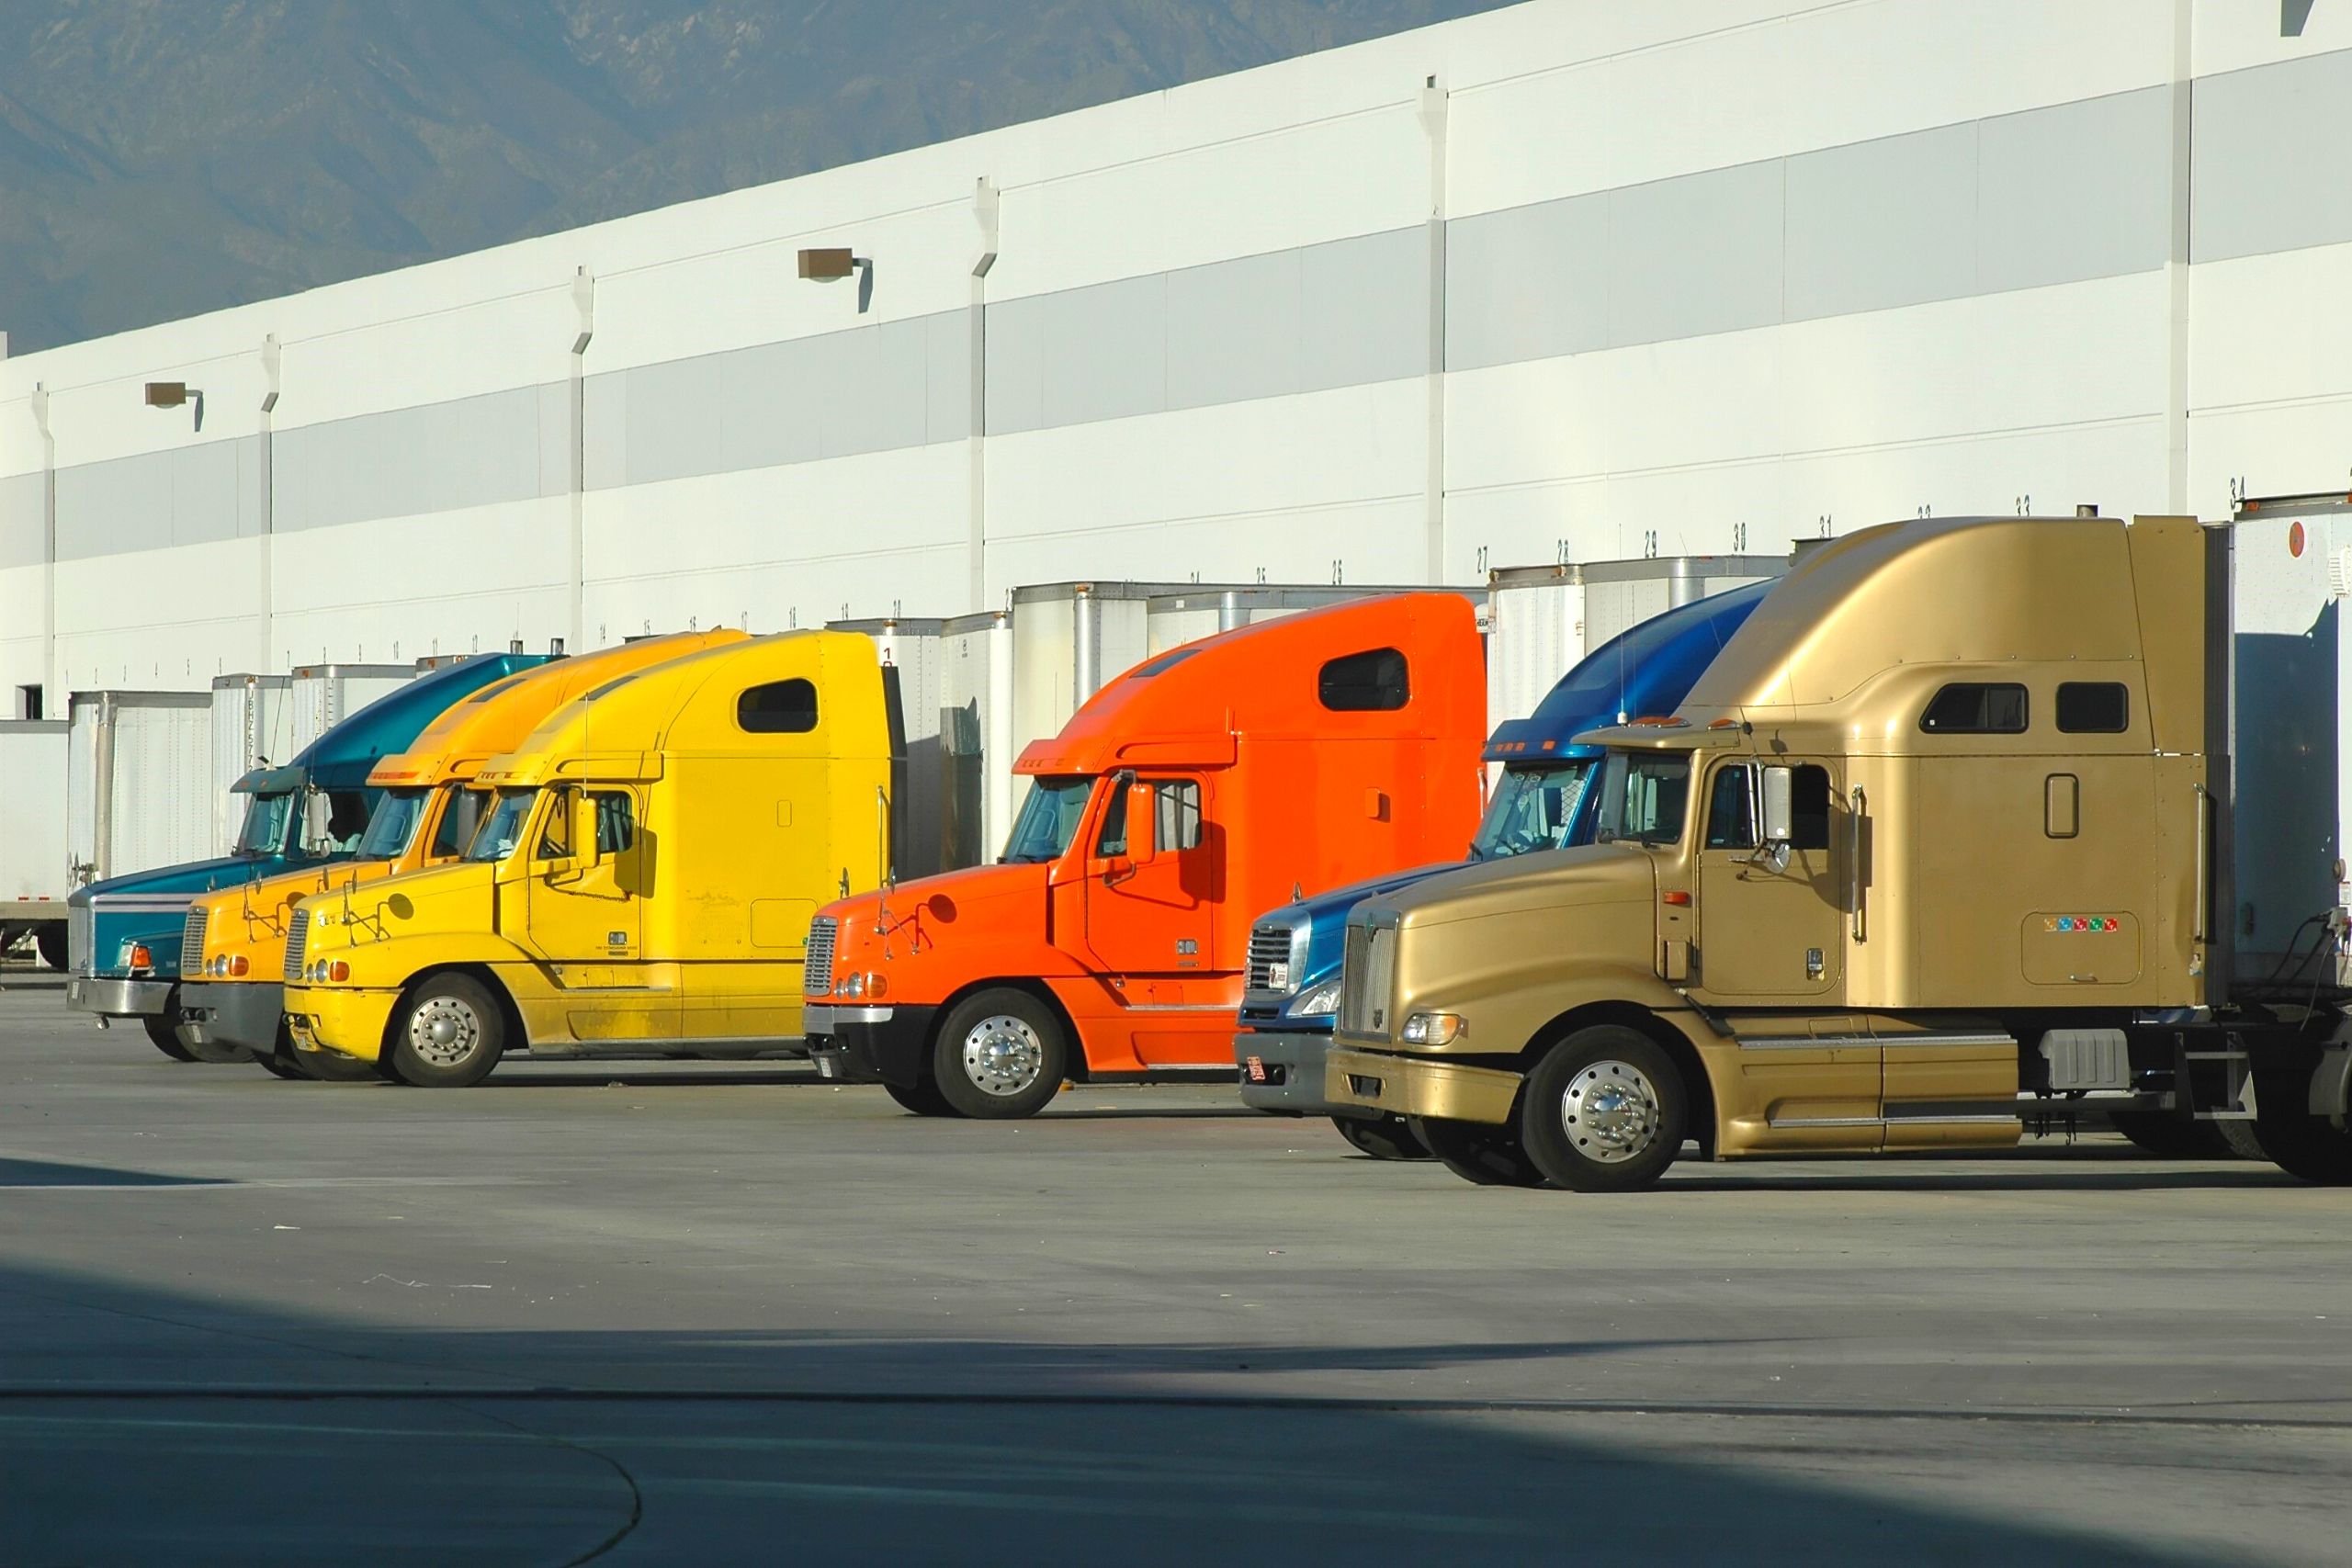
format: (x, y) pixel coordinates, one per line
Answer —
(342, 758)
(193, 877)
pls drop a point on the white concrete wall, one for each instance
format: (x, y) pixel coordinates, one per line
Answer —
(1710, 273)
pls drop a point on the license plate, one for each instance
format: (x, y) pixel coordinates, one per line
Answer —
(1254, 1068)
(826, 1067)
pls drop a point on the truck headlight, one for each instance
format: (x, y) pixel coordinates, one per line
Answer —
(853, 984)
(1318, 1001)
(1435, 1027)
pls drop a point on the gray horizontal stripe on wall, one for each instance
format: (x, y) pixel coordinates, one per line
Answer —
(2051, 195)
(1338, 314)
(186, 495)
(21, 535)
(480, 451)
(2271, 165)
(875, 388)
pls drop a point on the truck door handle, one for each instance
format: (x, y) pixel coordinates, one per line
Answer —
(1859, 802)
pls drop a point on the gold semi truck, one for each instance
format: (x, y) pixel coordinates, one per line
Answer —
(233, 994)
(1976, 827)
(641, 882)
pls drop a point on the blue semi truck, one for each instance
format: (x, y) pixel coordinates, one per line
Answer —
(123, 935)
(1540, 803)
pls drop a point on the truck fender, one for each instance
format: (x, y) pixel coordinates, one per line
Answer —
(518, 1038)
(1670, 1035)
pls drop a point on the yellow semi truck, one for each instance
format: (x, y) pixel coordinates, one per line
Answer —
(234, 945)
(1945, 847)
(641, 882)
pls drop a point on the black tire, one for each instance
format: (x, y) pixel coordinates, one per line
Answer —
(1001, 1055)
(447, 1033)
(280, 1064)
(49, 941)
(2168, 1136)
(923, 1099)
(2308, 1147)
(333, 1066)
(1605, 1110)
(1487, 1156)
(1385, 1137)
(165, 1035)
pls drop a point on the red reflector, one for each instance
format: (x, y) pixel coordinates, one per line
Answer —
(1679, 901)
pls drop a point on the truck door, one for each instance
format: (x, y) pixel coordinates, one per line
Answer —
(1767, 931)
(1150, 915)
(587, 921)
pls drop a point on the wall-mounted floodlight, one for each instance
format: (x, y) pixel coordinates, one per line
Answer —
(176, 394)
(829, 265)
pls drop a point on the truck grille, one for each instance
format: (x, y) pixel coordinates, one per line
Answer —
(77, 939)
(1368, 980)
(1269, 945)
(192, 944)
(817, 977)
(297, 936)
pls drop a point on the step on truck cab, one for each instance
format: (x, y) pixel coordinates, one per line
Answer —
(641, 883)
(125, 935)
(232, 990)
(1202, 785)
(1539, 801)
(1941, 849)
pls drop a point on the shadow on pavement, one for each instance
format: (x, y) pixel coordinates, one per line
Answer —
(891, 1450)
(50, 1173)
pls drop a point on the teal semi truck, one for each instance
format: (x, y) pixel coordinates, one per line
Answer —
(124, 934)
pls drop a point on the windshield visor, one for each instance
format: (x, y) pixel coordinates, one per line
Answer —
(393, 827)
(1644, 797)
(502, 827)
(267, 818)
(1533, 809)
(1049, 820)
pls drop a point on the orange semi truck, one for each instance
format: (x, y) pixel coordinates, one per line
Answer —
(1220, 778)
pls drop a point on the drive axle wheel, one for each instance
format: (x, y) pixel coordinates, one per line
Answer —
(1603, 1111)
(923, 1099)
(448, 1034)
(999, 1054)
(1477, 1151)
(166, 1036)
(1385, 1137)
(49, 942)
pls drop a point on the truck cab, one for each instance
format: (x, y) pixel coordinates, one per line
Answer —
(1541, 801)
(1928, 858)
(1111, 941)
(127, 935)
(641, 882)
(425, 812)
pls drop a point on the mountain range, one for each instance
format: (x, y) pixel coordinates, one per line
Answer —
(159, 158)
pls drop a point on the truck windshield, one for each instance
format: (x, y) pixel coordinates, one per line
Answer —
(502, 830)
(267, 816)
(1049, 820)
(459, 819)
(1644, 797)
(393, 824)
(1533, 809)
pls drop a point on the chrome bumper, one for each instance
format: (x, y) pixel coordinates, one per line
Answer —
(816, 1020)
(232, 1012)
(118, 998)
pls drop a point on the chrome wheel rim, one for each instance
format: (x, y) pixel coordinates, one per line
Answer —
(444, 1032)
(1610, 1112)
(1002, 1055)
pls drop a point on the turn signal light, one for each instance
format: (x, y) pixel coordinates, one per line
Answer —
(140, 957)
(238, 965)
(338, 970)
(875, 984)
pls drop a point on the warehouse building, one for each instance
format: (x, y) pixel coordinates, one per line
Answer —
(1568, 281)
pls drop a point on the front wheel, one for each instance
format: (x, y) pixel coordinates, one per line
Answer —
(448, 1034)
(1385, 1137)
(1481, 1154)
(164, 1034)
(1001, 1055)
(1604, 1110)
(923, 1099)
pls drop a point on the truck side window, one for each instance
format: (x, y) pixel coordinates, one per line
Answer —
(1113, 839)
(1809, 808)
(616, 823)
(1975, 707)
(780, 707)
(2094, 707)
(1176, 812)
(1374, 681)
(555, 841)
(1731, 825)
